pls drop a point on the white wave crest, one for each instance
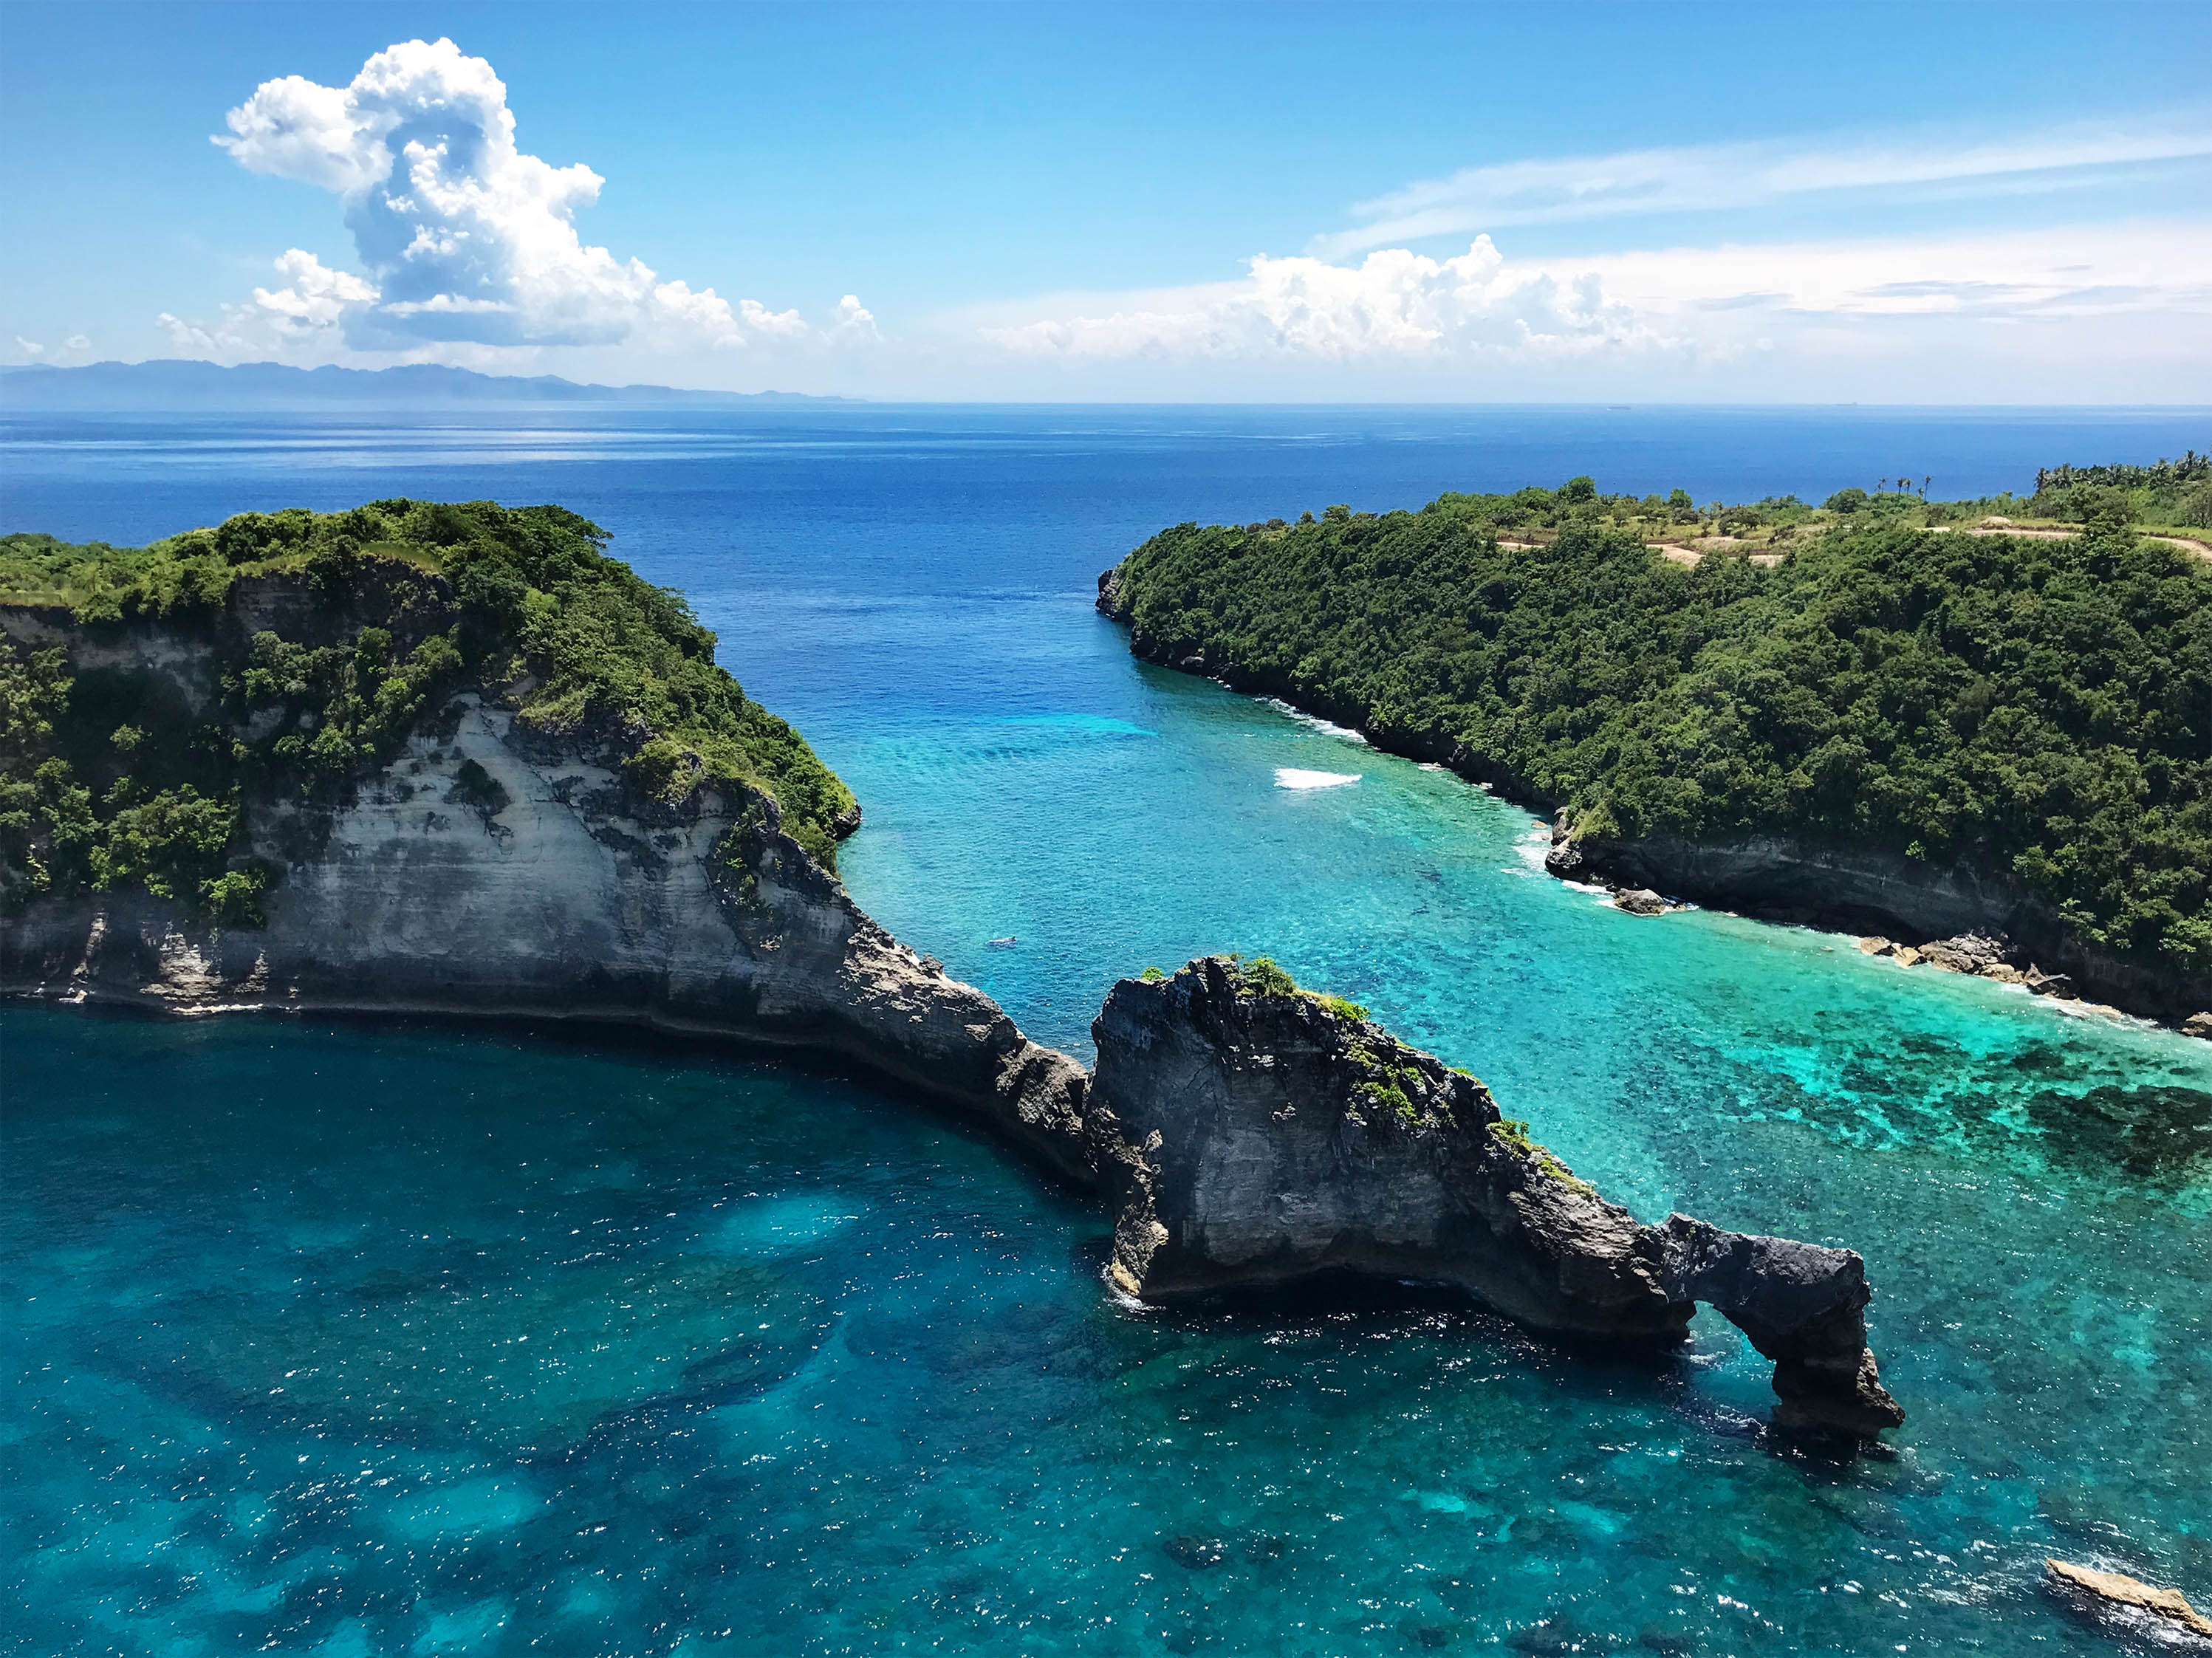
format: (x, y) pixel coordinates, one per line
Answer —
(1295, 777)
(1315, 722)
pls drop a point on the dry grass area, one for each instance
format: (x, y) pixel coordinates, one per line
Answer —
(2004, 527)
(1690, 556)
(2187, 543)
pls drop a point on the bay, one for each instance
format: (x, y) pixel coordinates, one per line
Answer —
(815, 1372)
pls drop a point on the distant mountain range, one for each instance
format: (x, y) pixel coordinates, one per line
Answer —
(175, 384)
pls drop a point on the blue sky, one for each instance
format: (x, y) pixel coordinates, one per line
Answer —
(1964, 203)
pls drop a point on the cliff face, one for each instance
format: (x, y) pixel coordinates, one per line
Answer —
(492, 869)
(1867, 889)
(1281, 1138)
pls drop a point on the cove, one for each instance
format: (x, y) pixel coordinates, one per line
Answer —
(817, 1373)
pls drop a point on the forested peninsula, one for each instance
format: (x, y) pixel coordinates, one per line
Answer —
(426, 759)
(1882, 712)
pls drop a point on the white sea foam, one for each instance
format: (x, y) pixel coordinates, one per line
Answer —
(1315, 722)
(1295, 777)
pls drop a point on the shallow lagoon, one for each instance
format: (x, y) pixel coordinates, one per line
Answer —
(383, 1339)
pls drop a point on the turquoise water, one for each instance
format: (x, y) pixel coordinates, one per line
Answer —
(366, 1339)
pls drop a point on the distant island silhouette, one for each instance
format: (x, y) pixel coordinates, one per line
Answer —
(179, 383)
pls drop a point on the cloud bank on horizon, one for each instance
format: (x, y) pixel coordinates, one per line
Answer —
(468, 251)
(466, 238)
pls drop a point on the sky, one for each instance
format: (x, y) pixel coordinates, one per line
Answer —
(1940, 204)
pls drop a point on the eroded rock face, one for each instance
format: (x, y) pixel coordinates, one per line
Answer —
(488, 870)
(1803, 1305)
(1279, 1139)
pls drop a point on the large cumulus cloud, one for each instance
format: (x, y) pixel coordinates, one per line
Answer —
(463, 236)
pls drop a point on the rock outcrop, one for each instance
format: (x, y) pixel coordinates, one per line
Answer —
(490, 870)
(1280, 1137)
(2114, 1594)
(1974, 921)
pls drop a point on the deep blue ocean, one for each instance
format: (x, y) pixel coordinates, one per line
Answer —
(379, 1338)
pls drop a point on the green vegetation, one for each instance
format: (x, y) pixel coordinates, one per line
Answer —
(2039, 707)
(1388, 1088)
(1263, 977)
(2169, 492)
(108, 779)
(1513, 1133)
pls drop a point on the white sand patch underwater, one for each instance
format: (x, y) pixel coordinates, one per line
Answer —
(1296, 777)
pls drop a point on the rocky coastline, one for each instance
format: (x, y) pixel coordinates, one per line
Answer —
(1768, 876)
(1282, 1136)
(1245, 1133)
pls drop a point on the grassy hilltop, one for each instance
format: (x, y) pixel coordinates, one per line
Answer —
(1880, 670)
(106, 781)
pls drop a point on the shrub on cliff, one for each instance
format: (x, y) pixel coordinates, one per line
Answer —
(2041, 707)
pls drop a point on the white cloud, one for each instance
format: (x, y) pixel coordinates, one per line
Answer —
(30, 348)
(854, 321)
(2109, 312)
(1395, 303)
(1704, 178)
(464, 237)
(314, 296)
(304, 317)
(77, 342)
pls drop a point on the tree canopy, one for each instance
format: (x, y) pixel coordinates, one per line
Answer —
(2040, 707)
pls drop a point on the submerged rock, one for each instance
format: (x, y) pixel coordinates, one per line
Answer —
(2104, 1592)
(1280, 1136)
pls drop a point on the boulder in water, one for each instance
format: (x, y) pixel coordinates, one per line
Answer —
(2105, 1593)
(1639, 901)
(1971, 952)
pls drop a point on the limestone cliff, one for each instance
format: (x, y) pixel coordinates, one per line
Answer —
(1867, 889)
(1282, 1138)
(488, 869)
